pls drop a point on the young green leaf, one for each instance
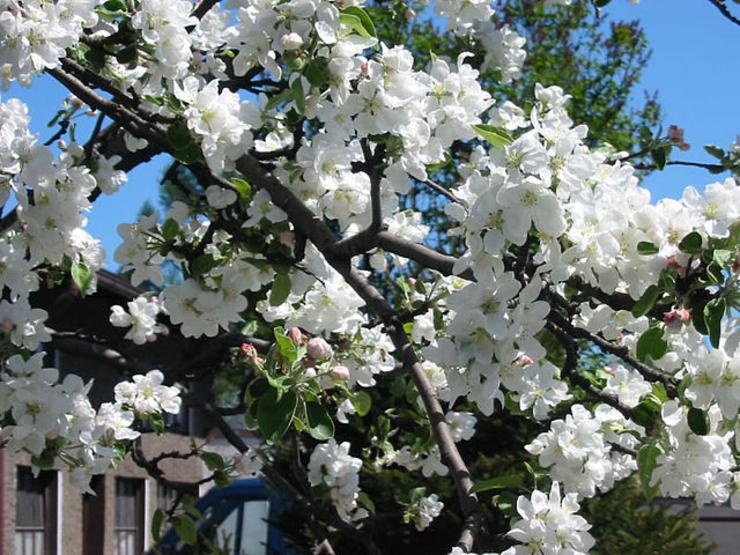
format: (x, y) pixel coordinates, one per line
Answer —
(646, 247)
(651, 344)
(691, 243)
(647, 301)
(275, 415)
(362, 403)
(185, 528)
(157, 521)
(280, 289)
(495, 135)
(364, 17)
(713, 313)
(698, 421)
(646, 461)
(320, 424)
(82, 276)
(499, 482)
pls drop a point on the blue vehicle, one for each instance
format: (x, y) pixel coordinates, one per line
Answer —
(238, 519)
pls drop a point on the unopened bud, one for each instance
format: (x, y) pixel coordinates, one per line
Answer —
(291, 41)
(318, 349)
(295, 335)
(340, 372)
(76, 102)
(676, 318)
(287, 238)
(248, 351)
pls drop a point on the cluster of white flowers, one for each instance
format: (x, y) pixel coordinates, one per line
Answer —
(549, 524)
(692, 465)
(36, 34)
(141, 318)
(146, 394)
(424, 511)
(44, 417)
(579, 450)
(163, 24)
(332, 465)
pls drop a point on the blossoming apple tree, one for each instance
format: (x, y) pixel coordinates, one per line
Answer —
(306, 133)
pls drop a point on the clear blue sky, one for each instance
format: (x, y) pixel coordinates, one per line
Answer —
(695, 67)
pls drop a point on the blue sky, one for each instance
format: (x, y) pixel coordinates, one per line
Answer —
(695, 67)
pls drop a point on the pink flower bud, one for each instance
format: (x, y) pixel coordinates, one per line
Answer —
(340, 372)
(365, 68)
(295, 335)
(676, 318)
(287, 238)
(318, 348)
(248, 351)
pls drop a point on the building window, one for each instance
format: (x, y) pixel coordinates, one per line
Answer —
(129, 530)
(93, 507)
(35, 513)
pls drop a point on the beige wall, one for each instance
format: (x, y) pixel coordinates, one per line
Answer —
(190, 470)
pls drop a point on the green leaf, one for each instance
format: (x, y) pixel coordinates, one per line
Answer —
(660, 155)
(280, 289)
(495, 135)
(278, 99)
(697, 316)
(365, 19)
(317, 72)
(691, 244)
(499, 482)
(299, 97)
(698, 421)
(651, 344)
(213, 461)
(646, 247)
(714, 311)
(170, 229)
(243, 188)
(203, 264)
(285, 345)
(364, 500)
(157, 521)
(320, 424)
(126, 55)
(715, 151)
(275, 415)
(115, 6)
(647, 301)
(355, 23)
(190, 154)
(82, 276)
(178, 135)
(362, 403)
(646, 462)
(645, 414)
(185, 528)
(156, 421)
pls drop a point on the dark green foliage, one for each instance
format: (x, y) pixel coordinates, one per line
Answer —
(623, 523)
